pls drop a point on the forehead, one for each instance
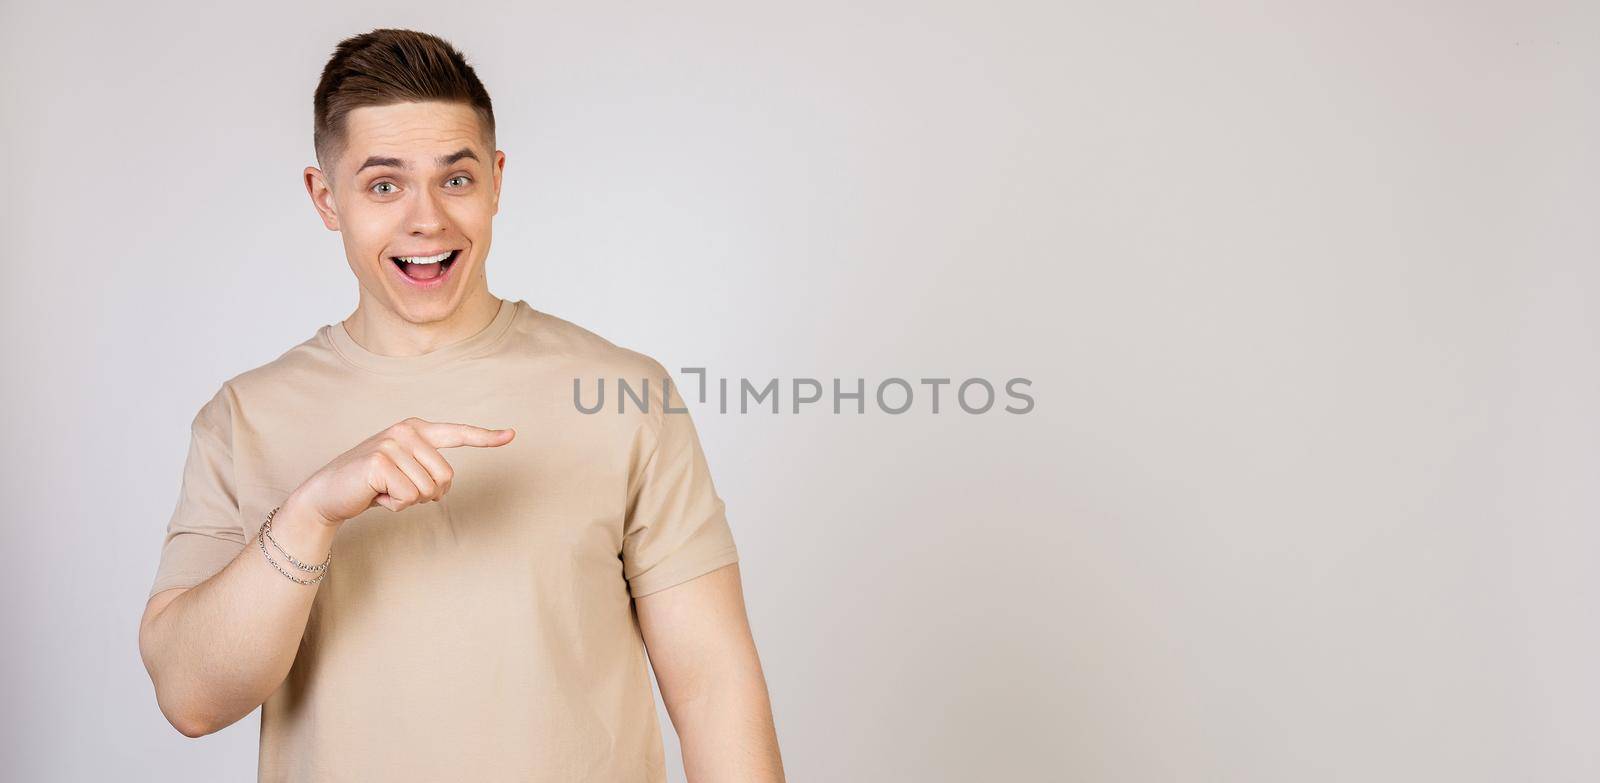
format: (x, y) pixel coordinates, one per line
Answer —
(416, 133)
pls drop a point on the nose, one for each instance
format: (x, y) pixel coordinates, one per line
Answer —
(426, 217)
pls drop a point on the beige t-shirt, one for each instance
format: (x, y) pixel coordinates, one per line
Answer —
(491, 635)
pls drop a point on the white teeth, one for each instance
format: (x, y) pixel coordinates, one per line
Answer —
(425, 259)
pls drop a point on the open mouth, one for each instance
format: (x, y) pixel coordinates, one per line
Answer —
(425, 269)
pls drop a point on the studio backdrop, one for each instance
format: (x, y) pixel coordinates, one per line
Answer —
(1203, 391)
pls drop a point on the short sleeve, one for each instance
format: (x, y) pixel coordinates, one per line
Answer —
(677, 527)
(203, 534)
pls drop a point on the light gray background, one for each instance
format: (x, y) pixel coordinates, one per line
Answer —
(1307, 293)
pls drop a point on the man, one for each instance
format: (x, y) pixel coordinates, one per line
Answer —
(487, 614)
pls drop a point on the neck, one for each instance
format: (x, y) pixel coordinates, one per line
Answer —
(381, 330)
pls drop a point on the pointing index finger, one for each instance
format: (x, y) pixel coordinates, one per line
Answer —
(445, 434)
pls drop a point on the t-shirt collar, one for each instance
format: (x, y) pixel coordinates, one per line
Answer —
(352, 352)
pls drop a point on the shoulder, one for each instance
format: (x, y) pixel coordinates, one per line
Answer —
(555, 337)
(601, 372)
(263, 380)
(536, 340)
(307, 355)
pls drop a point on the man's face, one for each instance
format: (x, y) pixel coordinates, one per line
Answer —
(416, 180)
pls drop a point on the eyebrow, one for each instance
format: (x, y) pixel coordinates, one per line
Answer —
(444, 160)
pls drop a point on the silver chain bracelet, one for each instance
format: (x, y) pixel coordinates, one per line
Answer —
(265, 535)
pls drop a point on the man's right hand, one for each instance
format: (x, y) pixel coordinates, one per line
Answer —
(396, 468)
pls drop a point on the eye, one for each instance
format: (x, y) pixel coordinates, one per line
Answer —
(460, 177)
(381, 184)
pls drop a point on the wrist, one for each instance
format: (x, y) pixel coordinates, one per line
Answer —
(297, 508)
(300, 542)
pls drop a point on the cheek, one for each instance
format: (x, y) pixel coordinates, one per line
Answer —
(367, 231)
(361, 249)
(463, 213)
(475, 219)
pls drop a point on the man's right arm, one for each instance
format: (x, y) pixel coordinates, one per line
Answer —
(218, 650)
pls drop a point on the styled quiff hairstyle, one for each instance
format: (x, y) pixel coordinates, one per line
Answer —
(389, 66)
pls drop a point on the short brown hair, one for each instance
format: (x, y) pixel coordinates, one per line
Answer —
(388, 66)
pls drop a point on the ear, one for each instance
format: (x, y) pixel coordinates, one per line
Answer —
(499, 170)
(321, 192)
